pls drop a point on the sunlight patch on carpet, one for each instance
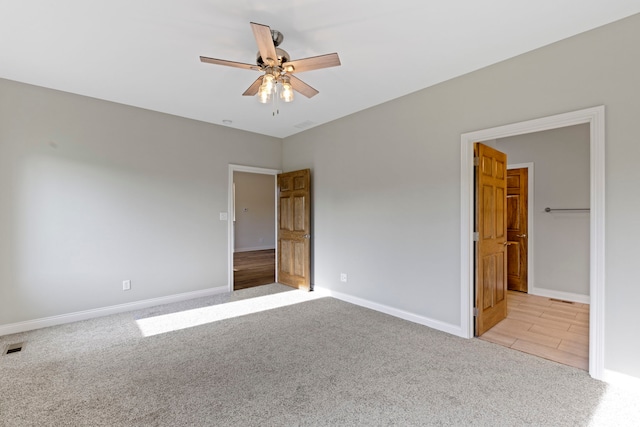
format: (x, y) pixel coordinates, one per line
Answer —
(200, 316)
(613, 408)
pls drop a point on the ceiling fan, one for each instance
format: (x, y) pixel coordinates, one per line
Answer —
(278, 68)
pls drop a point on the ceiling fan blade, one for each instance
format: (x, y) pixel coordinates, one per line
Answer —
(253, 89)
(313, 63)
(267, 49)
(300, 86)
(229, 63)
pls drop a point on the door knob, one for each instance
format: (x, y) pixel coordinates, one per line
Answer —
(507, 243)
(307, 236)
(521, 235)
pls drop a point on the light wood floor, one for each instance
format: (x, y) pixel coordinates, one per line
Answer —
(254, 268)
(545, 327)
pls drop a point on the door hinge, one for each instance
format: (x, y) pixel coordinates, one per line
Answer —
(476, 161)
(475, 311)
(476, 236)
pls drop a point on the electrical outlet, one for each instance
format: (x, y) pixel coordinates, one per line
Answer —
(126, 285)
(343, 277)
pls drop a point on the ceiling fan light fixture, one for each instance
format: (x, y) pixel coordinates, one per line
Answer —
(287, 92)
(268, 82)
(264, 95)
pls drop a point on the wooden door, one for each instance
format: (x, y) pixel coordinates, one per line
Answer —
(491, 237)
(294, 229)
(517, 229)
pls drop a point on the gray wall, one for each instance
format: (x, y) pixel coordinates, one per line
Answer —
(387, 180)
(255, 218)
(93, 193)
(561, 180)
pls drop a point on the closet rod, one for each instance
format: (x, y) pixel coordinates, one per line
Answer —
(566, 209)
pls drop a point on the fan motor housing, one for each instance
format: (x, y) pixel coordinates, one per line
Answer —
(283, 56)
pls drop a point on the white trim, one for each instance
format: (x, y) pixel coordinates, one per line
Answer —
(566, 296)
(231, 214)
(596, 118)
(411, 317)
(14, 328)
(530, 239)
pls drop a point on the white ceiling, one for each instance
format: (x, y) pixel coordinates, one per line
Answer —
(145, 53)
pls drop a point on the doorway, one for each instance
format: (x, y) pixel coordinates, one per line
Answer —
(260, 257)
(254, 261)
(292, 225)
(550, 319)
(595, 118)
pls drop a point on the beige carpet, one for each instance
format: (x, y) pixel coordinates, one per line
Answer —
(289, 360)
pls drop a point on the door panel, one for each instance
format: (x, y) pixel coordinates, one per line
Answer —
(517, 229)
(294, 229)
(491, 226)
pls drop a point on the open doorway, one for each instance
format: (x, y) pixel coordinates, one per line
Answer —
(292, 196)
(594, 117)
(252, 226)
(254, 261)
(551, 318)
(555, 224)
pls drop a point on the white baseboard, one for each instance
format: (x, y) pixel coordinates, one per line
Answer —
(14, 328)
(621, 380)
(411, 317)
(566, 296)
(257, 248)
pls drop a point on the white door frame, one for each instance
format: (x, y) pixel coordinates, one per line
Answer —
(231, 213)
(596, 118)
